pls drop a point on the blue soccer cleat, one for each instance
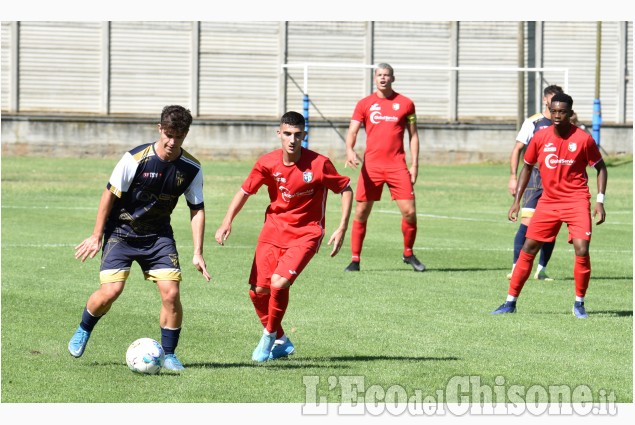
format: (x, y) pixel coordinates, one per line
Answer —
(263, 349)
(579, 311)
(506, 307)
(78, 342)
(172, 362)
(281, 349)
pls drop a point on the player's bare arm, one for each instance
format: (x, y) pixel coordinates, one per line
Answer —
(352, 160)
(337, 238)
(414, 151)
(197, 220)
(514, 159)
(523, 180)
(91, 245)
(598, 210)
(234, 208)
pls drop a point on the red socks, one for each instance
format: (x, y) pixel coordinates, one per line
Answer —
(409, 231)
(358, 233)
(278, 303)
(581, 274)
(521, 273)
(261, 304)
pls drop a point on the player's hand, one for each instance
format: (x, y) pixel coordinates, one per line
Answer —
(199, 263)
(223, 233)
(337, 239)
(599, 213)
(414, 173)
(513, 182)
(512, 215)
(352, 160)
(88, 248)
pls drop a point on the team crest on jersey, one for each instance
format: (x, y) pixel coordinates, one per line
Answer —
(395, 106)
(180, 178)
(307, 176)
(572, 147)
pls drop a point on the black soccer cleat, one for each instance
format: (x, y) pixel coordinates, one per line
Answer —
(353, 267)
(417, 265)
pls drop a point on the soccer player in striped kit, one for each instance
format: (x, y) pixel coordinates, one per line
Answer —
(133, 222)
(563, 151)
(385, 115)
(298, 181)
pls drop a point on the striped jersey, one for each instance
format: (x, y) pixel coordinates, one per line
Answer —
(148, 189)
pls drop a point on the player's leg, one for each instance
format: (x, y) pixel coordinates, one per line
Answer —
(160, 264)
(358, 233)
(402, 192)
(369, 188)
(579, 225)
(170, 321)
(409, 232)
(114, 270)
(544, 228)
(290, 265)
(262, 269)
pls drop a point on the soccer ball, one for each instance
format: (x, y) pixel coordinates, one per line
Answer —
(146, 356)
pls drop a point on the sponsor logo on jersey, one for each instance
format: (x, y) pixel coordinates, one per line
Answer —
(375, 107)
(552, 161)
(572, 147)
(549, 147)
(377, 117)
(287, 195)
(149, 175)
(276, 177)
(307, 176)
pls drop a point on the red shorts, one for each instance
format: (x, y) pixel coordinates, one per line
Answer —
(546, 223)
(371, 183)
(286, 262)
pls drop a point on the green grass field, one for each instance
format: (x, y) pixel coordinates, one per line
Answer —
(388, 325)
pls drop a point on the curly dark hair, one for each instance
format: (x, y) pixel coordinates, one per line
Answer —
(176, 118)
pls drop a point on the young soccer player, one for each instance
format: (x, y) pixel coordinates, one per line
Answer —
(297, 181)
(133, 220)
(563, 151)
(533, 191)
(386, 115)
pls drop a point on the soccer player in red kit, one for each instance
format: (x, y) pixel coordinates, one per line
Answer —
(298, 181)
(563, 151)
(386, 115)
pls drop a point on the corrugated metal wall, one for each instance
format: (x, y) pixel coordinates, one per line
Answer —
(5, 69)
(150, 66)
(60, 67)
(240, 72)
(419, 44)
(233, 70)
(331, 90)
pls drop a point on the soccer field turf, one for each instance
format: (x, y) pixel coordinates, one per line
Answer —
(386, 325)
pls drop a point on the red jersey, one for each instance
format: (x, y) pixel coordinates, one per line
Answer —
(296, 214)
(562, 163)
(385, 121)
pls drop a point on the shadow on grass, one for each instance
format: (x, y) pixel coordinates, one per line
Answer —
(312, 362)
(428, 270)
(592, 313)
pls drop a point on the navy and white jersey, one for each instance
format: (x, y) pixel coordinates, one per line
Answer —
(530, 126)
(148, 189)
